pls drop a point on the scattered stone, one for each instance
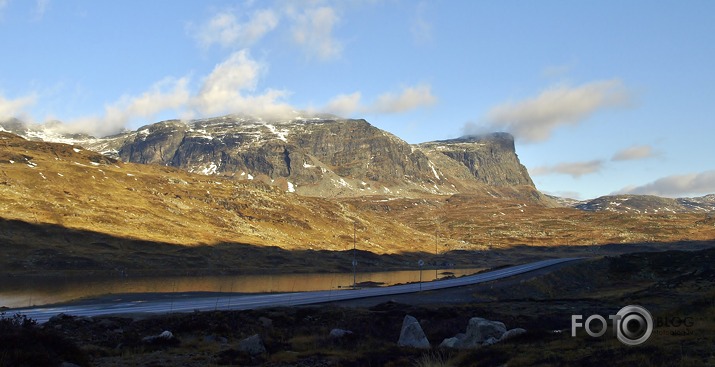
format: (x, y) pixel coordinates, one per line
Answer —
(252, 345)
(339, 333)
(165, 338)
(412, 334)
(166, 334)
(68, 364)
(512, 333)
(452, 342)
(481, 332)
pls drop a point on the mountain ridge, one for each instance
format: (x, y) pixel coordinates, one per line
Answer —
(320, 156)
(648, 204)
(325, 156)
(83, 197)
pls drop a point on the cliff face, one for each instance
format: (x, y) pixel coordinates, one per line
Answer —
(326, 157)
(491, 159)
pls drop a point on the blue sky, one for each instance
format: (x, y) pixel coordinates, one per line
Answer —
(603, 97)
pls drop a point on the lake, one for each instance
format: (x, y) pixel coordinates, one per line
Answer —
(36, 292)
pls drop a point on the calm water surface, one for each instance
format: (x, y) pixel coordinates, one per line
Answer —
(23, 293)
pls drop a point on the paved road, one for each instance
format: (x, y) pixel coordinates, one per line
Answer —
(242, 302)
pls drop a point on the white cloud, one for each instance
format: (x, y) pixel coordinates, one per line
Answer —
(676, 185)
(313, 30)
(229, 88)
(238, 72)
(534, 119)
(635, 152)
(10, 108)
(225, 29)
(566, 194)
(409, 99)
(344, 104)
(573, 169)
(224, 90)
(167, 94)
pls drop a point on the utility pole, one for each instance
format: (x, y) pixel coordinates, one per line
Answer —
(354, 259)
(420, 264)
(435, 252)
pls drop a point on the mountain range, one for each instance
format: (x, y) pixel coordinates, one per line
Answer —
(327, 156)
(228, 195)
(321, 156)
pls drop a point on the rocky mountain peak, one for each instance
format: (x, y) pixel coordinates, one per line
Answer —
(490, 158)
(321, 155)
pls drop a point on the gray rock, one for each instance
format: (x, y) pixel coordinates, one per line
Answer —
(412, 334)
(479, 330)
(453, 342)
(339, 333)
(68, 364)
(252, 345)
(512, 333)
(164, 336)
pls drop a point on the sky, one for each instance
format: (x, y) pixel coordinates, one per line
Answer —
(603, 97)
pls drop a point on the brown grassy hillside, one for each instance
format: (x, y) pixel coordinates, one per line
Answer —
(54, 187)
(79, 189)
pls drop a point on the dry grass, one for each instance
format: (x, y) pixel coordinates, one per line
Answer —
(86, 211)
(54, 184)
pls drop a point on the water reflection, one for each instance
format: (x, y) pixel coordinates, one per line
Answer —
(23, 293)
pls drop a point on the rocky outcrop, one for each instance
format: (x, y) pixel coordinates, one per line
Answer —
(512, 333)
(491, 158)
(481, 332)
(339, 333)
(253, 345)
(165, 338)
(412, 335)
(156, 143)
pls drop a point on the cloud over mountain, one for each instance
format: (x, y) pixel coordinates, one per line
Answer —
(676, 185)
(573, 169)
(534, 119)
(10, 108)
